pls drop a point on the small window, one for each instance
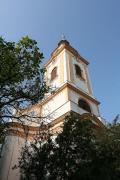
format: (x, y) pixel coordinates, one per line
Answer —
(84, 105)
(54, 73)
(78, 70)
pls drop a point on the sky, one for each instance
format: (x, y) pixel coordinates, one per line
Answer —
(91, 26)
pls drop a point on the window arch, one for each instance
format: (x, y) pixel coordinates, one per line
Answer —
(78, 70)
(84, 105)
(54, 73)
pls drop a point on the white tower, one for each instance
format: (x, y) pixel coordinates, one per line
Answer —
(67, 74)
(71, 90)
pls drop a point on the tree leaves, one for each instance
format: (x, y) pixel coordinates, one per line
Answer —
(21, 76)
(79, 152)
(21, 79)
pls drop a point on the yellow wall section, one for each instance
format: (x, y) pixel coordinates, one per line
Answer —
(87, 79)
(70, 68)
(61, 68)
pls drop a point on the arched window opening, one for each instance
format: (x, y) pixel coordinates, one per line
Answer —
(54, 73)
(84, 105)
(78, 70)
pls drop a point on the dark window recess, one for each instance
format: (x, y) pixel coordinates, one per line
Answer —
(84, 105)
(54, 73)
(78, 71)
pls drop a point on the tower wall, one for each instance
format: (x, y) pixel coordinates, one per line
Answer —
(74, 97)
(59, 63)
(57, 105)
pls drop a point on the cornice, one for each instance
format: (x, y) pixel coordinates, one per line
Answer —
(97, 124)
(60, 89)
(68, 47)
(70, 86)
(25, 127)
(82, 93)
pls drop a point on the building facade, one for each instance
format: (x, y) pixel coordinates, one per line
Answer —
(71, 90)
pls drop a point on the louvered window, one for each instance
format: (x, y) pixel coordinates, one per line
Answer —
(78, 71)
(84, 105)
(54, 73)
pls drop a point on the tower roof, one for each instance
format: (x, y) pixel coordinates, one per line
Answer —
(63, 41)
(64, 44)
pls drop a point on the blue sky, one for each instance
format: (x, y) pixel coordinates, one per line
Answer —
(91, 26)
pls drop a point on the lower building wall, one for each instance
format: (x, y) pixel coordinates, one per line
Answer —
(9, 158)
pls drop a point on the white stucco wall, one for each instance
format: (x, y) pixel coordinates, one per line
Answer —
(10, 153)
(56, 106)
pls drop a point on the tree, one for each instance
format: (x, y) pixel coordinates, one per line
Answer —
(106, 160)
(79, 152)
(2, 132)
(21, 77)
(34, 160)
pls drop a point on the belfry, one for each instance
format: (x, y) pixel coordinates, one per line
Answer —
(70, 90)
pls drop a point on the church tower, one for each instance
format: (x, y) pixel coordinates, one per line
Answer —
(70, 90)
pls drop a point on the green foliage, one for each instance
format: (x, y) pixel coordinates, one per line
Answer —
(21, 76)
(79, 152)
(34, 160)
